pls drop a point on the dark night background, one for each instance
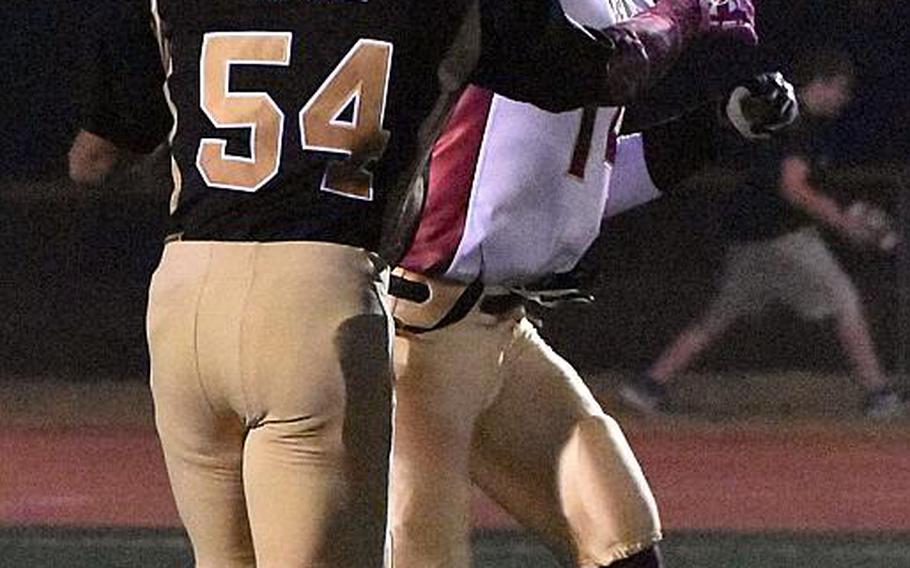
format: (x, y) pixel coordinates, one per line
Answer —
(75, 262)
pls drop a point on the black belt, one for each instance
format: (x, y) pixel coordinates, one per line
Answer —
(419, 292)
(497, 304)
(409, 290)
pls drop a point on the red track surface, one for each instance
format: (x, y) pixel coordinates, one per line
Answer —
(739, 477)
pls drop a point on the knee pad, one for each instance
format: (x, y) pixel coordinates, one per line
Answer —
(605, 497)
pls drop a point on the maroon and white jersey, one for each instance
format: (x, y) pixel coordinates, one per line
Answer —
(515, 193)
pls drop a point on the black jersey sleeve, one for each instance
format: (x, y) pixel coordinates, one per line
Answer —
(530, 51)
(122, 98)
(679, 148)
(706, 71)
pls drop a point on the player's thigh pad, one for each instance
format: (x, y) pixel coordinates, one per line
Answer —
(444, 379)
(546, 451)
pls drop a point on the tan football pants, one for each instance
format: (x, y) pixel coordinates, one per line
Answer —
(487, 400)
(271, 376)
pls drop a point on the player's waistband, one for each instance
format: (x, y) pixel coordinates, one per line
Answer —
(329, 260)
(262, 235)
(422, 303)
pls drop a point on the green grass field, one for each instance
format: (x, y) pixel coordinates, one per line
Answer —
(54, 424)
(123, 548)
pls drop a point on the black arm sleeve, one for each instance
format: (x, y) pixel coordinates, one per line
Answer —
(122, 97)
(706, 71)
(677, 149)
(531, 52)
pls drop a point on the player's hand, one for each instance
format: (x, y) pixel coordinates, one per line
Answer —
(761, 106)
(868, 225)
(733, 19)
(645, 47)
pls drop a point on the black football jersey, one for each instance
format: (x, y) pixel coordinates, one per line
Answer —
(295, 120)
(120, 95)
(312, 119)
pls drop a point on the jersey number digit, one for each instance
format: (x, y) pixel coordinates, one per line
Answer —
(254, 110)
(344, 116)
(358, 83)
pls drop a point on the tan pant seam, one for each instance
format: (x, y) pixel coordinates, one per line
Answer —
(196, 364)
(502, 369)
(249, 420)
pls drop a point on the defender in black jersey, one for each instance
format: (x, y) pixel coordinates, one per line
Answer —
(122, 111)
(300, 133)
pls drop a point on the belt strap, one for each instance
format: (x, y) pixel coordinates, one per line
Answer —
(409, 290)
(459, 310)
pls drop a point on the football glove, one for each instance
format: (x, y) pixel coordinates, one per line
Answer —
(762, 106)
(728, 18)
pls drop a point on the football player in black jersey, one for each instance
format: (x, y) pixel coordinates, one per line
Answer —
(124, 68)
(300, 132)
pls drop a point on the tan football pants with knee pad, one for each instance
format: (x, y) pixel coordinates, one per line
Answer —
(485, 399)
(271, 376)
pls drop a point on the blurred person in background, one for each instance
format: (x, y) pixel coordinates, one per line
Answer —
(775, 251)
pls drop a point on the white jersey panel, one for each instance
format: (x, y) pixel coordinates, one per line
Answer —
(534, 208)
(528, 214)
